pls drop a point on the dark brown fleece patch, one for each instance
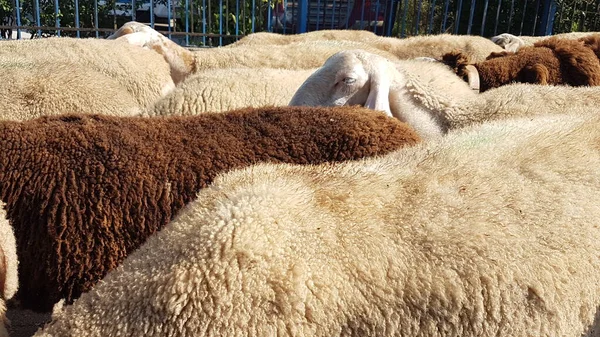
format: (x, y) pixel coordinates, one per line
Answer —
(83, 191)
(553, 61)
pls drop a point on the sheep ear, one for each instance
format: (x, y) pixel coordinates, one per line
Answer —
(536, 74)
(379, 93)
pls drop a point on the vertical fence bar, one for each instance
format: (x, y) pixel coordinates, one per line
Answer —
(377, 16)
(220, 22)
(430, 24)
(169, 18)
(132, 10)
(187, 22)
(485, 9)
(318, 13)
(404, 14)
(237, 16)
(497, 17)
(446, 5)
(302, 16)
(471, 14)
(152, 14)
(204, 22)
(510, 15)
(269, 14)
(56, 18)
(96, 18)
(391, 16)
(77, 18)
(333, 15)
(535, 17)
(38, 21)
(18, 12)
(457, 19)
(362, 14)
(418, 18)
(523, 19)
(348, 11)
(253, 9)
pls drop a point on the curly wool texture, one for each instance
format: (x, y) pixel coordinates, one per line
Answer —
(267, 38)
(550, 61)
(9, 280)
(488, 232)
(142, 73)
(221, 90)
(477, 47)
(84, 191)
(37, 90)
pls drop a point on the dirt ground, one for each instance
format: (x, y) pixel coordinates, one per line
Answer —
(25, 323)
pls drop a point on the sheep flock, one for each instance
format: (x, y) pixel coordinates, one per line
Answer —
(330, 183)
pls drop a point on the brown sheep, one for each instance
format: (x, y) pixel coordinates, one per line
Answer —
(552, 61)
(84, 191)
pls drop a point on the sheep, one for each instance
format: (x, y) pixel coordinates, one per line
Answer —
(221, 90)
(434, 46)
(142, 73)
(83, 191)
(491, 231)
(262, 38)
(184, 62)
(551, 61)
(57, 88)
(9, 281)
(513, 43)
(428, 95)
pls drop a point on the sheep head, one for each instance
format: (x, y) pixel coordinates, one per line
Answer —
(351, 77)
(461, 64)
(181, 61)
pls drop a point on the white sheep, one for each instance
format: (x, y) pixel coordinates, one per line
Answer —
(433, 46)
(37, 89)
(488, 232)
(512, 43)
(9, 281)
(185, 62)
(143, 74)
(429, 95)
(262, 38)
(220, 90)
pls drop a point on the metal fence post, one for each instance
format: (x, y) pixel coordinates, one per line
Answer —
(547, 19)
(302, 16)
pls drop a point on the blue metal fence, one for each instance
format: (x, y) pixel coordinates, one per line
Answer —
(220, 22)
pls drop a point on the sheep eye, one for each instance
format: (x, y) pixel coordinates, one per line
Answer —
(349, 80)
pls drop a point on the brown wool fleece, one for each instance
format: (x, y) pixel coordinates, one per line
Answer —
(84, 191)
(552, 61)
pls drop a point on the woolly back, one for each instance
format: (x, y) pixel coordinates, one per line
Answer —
(83, 191)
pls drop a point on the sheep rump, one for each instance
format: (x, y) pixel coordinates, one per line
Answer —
(220, 90)
(83, 191)
(144, 74)
(489, 232)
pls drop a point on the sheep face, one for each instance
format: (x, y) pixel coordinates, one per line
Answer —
(348, 78)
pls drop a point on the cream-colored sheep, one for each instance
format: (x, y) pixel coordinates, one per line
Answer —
(429, 95)
(143, 74)
(263, 38)
(512, 43)
(220, 90)
(488, 232)
(434, 46)
(299, 55)
(37, 89)
(9, 281)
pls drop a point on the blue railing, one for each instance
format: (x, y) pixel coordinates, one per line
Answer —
(220, 22)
